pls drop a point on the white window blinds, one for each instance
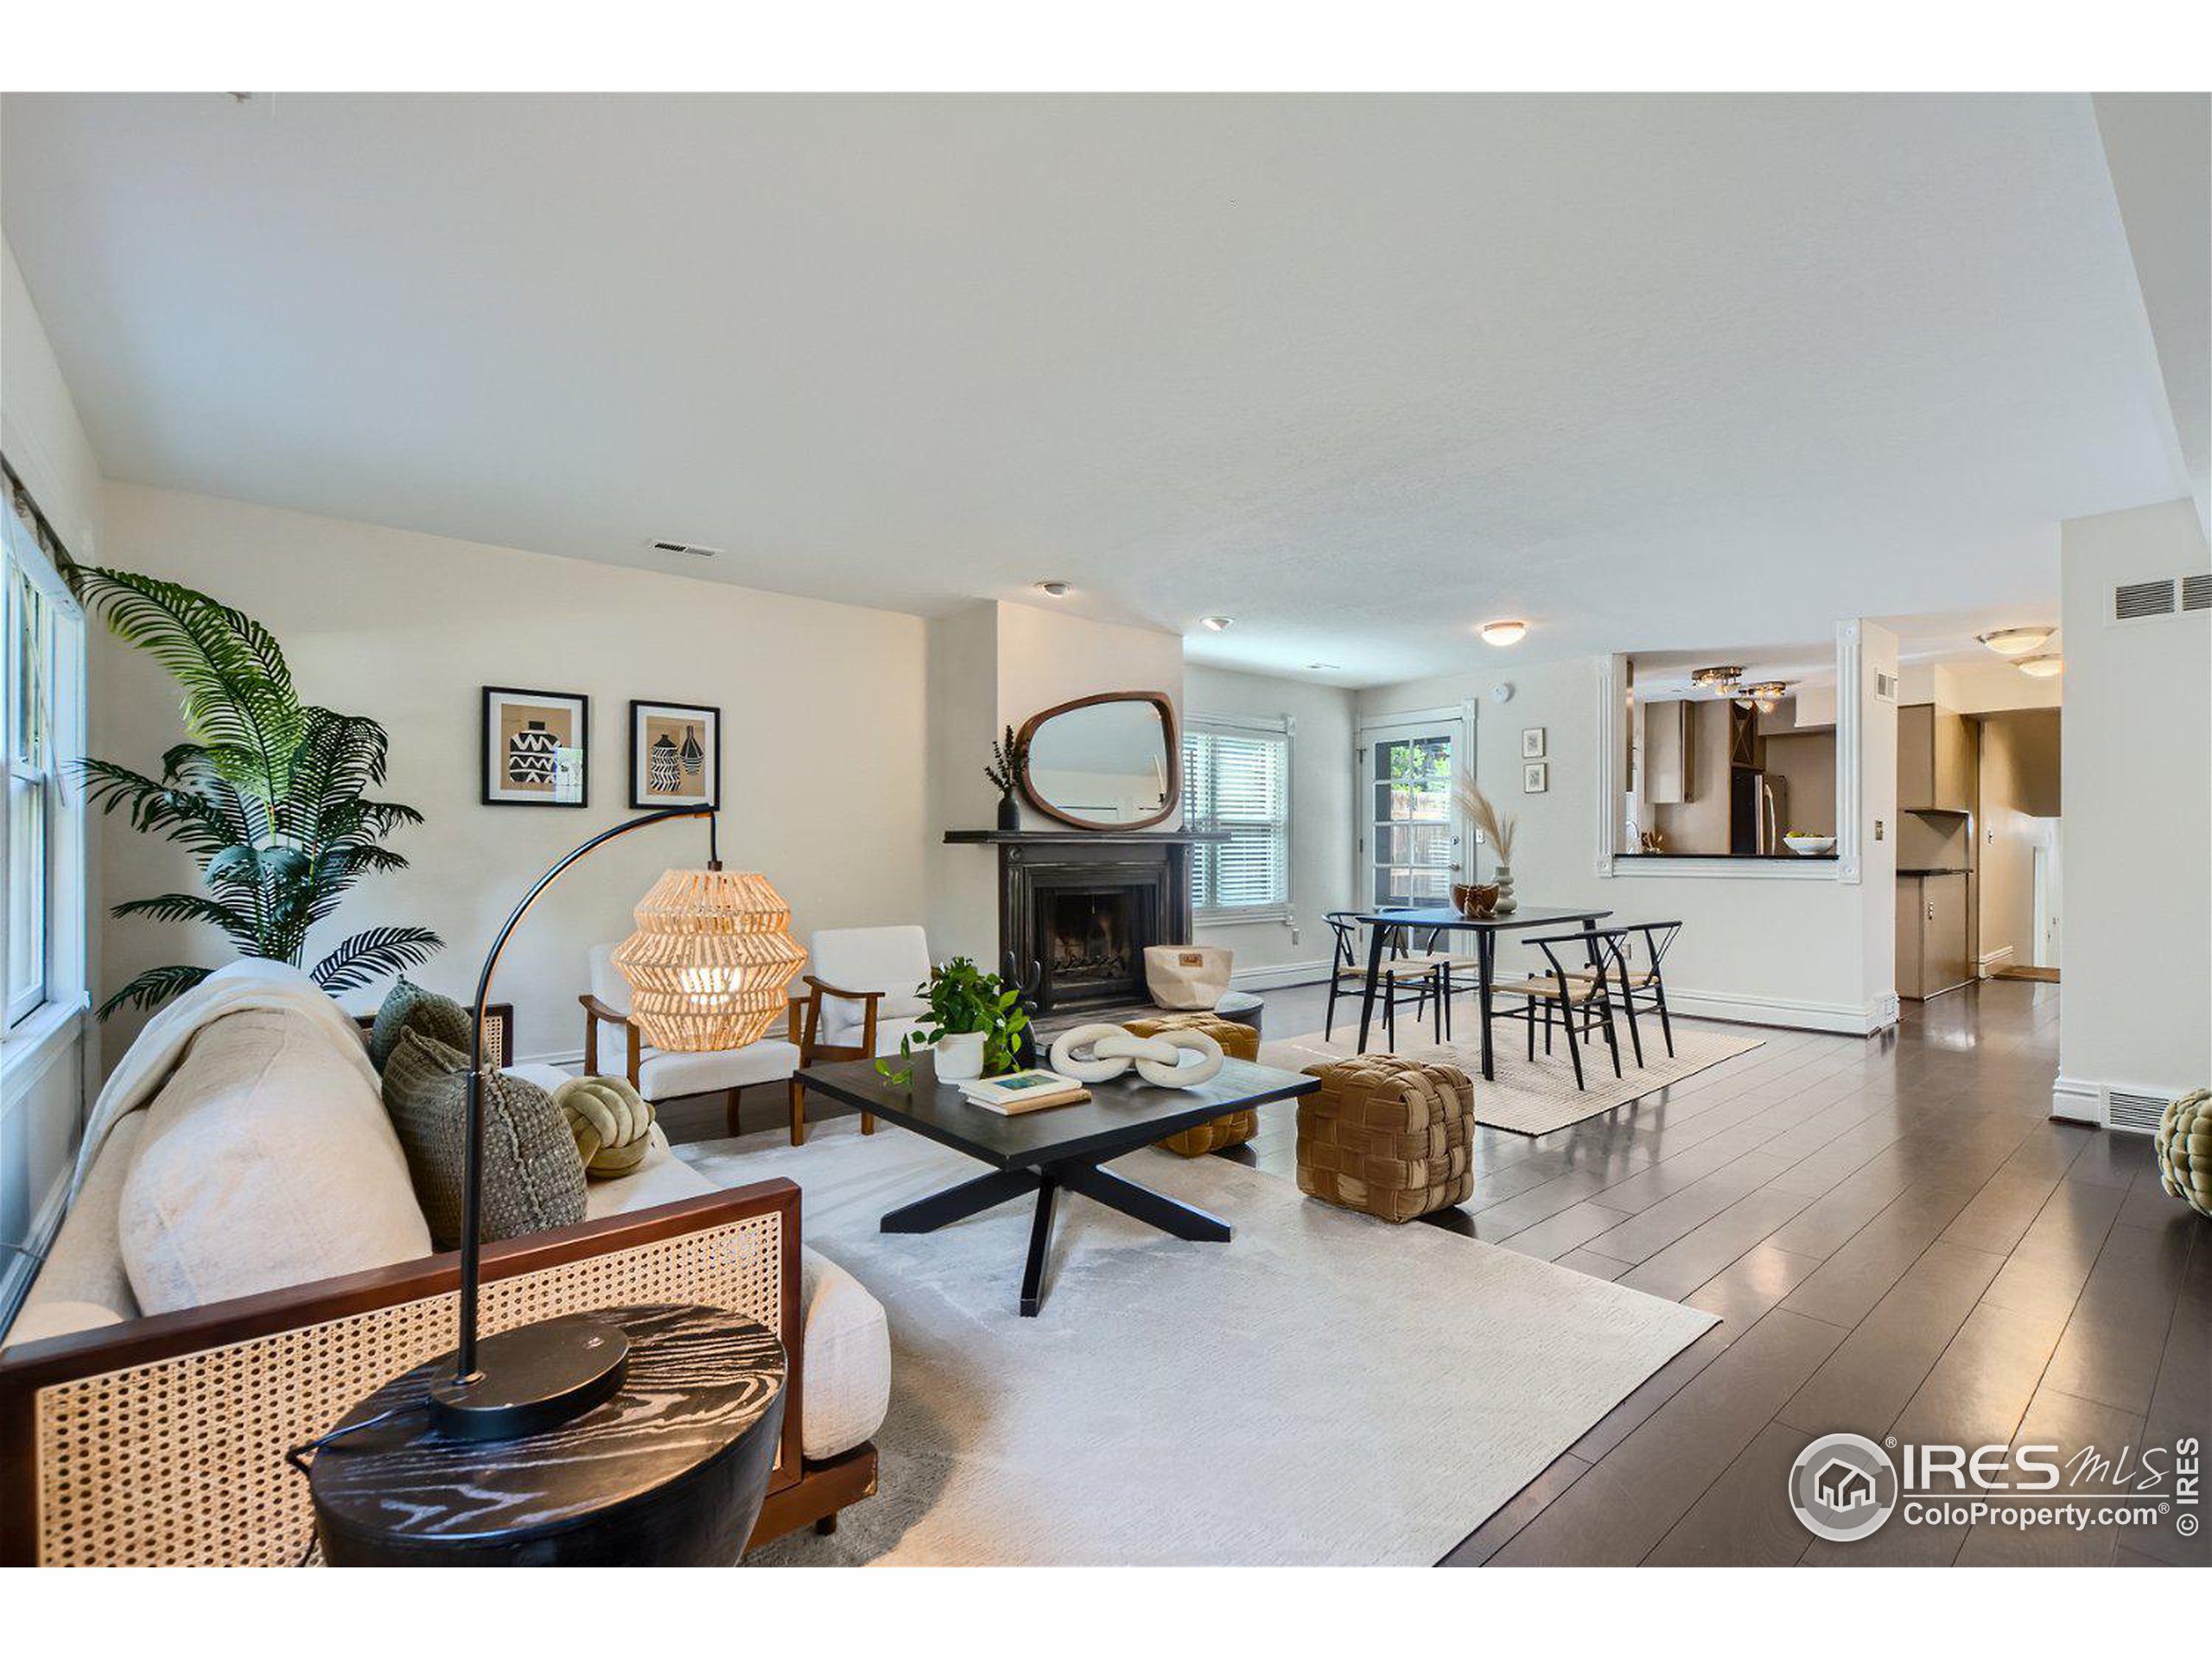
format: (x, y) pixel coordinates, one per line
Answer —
(1237, 778)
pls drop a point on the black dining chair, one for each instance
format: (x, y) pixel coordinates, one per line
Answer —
(1461, 974)
(1580, 998)
(1648, 981)
(1403, 978)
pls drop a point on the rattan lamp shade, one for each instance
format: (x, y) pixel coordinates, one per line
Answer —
(709, 961)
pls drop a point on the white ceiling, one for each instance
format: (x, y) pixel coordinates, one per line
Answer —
(1357, 372)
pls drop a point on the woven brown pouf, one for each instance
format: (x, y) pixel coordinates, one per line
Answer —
(1388, 1135)
(1239, 1042)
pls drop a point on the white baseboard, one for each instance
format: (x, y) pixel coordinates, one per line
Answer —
(1995, 959)
(2077, 1101)
(1848, 1019)
(1284, 973)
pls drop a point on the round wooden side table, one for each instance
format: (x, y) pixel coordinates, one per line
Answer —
(669, 1472)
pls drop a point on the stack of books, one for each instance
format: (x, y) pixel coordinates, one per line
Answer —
(1024, 1091)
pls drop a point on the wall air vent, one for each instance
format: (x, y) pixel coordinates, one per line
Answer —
(1885, 687)
(2196, 592)
(692, 547)
(2125, 1108)
(2138, 602)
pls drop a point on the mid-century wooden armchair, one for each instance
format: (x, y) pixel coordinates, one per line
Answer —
(661, 1075)
(863, 997)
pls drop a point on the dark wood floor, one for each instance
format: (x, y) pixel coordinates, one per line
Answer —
(1898, 1240)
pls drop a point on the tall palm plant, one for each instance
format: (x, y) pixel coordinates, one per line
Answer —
(268, 794)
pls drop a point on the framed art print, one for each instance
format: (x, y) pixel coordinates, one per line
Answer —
(1532, 742)
(535, 747)
(676, 754)
(1535, 777)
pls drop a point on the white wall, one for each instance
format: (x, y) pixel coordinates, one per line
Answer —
(1819, 953)
(2136, 1012)
(823, 733)
(44, 1076)
(1321, 808)
(1981, 687)
(2018, 811)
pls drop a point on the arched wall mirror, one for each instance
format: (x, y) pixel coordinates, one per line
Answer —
(1112, 761)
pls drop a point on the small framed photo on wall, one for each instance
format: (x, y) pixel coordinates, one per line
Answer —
(1535, 777)
(536, 747)
(1532, 742)
(676, 754)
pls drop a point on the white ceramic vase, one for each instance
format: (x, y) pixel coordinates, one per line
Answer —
(1503, 877)
(959, 1057)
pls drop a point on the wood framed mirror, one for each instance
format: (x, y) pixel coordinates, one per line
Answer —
(1111, 761)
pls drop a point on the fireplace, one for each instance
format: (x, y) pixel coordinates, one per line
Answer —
(1090, 941)
(1079, 907)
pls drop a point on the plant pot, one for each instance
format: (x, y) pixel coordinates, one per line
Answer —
(1504, 876)
(959, 1057)
(1009, 814)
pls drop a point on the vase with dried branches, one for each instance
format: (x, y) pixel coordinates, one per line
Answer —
(1499, 833)
(1005, 773)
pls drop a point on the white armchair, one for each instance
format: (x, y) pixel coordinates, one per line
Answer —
(661, 1075)
(862, 998)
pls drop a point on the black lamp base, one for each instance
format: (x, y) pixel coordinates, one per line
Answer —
(530, 1379)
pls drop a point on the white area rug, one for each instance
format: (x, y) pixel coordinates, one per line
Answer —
(1325, 1388)
(1536, 1097)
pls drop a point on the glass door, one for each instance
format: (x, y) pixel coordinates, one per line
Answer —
(1409, 841)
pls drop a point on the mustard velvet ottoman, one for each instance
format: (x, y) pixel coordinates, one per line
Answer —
(1387, 1135)
(1239, 1042)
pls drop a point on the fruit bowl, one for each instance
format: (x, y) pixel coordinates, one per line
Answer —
(1809, 846)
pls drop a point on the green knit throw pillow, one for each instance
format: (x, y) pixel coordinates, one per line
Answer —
(407, 1007)
(533, 1176)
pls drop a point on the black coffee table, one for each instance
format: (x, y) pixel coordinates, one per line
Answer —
(1060, 1147)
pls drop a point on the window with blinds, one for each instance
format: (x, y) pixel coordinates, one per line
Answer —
(1237, 778)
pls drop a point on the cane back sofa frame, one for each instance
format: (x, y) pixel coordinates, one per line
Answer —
(160, 1441)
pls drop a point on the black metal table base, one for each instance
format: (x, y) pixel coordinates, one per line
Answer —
(1100, 1185)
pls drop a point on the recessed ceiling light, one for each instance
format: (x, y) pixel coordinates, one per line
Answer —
(1504, 632)
(1325, 667)
(2015, 642)
(2041, 668)
(1216, 623)
(1054, 589)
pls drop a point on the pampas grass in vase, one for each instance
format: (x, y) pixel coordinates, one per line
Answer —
(1499, 833)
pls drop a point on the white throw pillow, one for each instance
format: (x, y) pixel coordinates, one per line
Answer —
(267, 1161)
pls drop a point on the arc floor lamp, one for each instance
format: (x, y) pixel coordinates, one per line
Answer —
(707, 966)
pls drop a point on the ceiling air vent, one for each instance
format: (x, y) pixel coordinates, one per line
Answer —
(2196, 592)
(2138, 602)
(692, 547)
(2126, 1109)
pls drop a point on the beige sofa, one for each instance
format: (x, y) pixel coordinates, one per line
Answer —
(246, 1259)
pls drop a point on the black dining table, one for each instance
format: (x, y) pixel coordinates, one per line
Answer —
(1381, 924)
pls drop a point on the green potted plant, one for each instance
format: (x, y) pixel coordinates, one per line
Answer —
(974, 1024)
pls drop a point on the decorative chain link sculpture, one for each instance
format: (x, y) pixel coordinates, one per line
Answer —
(1094, 1053)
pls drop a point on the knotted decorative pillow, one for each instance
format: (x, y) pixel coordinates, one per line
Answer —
(2185, 1144)
(611, 1123)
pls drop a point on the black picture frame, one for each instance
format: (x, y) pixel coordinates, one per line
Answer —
(711, 715)
(494, 698)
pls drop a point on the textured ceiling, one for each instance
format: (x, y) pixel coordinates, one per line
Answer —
(1357, 372)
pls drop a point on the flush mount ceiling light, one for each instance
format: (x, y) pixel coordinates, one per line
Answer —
(1505, 633)
(1721, 681)
(2041, 668)
(1766, 696)
(2014, 642)
(1216, 623)
(1054, 589)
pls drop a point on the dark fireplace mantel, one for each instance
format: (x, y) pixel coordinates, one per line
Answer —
(1080, 905)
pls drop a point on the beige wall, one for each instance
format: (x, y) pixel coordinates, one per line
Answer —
(2019, 813)
(2137, 792)
(1321, 815)
(823, 733)
(1701, 823)
(1806, 761)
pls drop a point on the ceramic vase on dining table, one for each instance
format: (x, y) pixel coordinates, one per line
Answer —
(1504, 876)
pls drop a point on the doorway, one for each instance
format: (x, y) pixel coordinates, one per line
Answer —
(1410, 835)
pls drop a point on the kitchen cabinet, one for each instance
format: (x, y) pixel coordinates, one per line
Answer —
(1933, 954)
(1936, 760)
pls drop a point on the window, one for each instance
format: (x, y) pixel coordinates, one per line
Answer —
(1236, 778)
(43, 636)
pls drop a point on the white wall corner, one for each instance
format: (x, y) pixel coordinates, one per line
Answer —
(1610, 782)
(2077, 1101)
(1990, 962)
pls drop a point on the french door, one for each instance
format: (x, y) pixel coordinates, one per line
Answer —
(1409, 829)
